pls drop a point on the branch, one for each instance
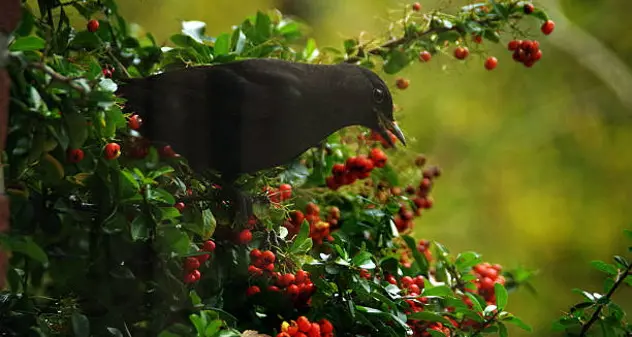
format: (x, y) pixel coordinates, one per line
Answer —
(407, 38)
(621, 276)
(58, 77)
(397, 42)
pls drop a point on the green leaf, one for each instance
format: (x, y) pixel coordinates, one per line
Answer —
(467, 260)
(477, 301)
(222, 45)
(213, 327)
(30, 248)
(194, 29)
(502, 330)
(302, 243)
(160, 172)
(517, 322)
(209, 224)
(27, 43)
(604, 267)
(311, 51)
(80, 325)
(622, 261)
(263, 26)
(429, 316)
(420, 259)
(501, 296)
(128, 185)
(363, 260)
(435, 333)
(139, 228)
(396, 60)
(439, 291)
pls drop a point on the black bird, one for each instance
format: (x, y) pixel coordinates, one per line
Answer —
(249, 115)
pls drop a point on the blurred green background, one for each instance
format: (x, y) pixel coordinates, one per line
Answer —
(537, 162)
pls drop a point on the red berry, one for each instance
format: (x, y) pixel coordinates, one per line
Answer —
(378, 157)
(331, 183)
(191, 263)
(487, 283)
(461, 53)
(192, 277)
(268, 257)
(536, 56)
(312, 208)
(425, 56)
(112, 151)
(407, 280)
(286, 191)
(491, 63)
(134, 122)
(252, 290)
(301, 276)
(288, 279)
(514, 45)
(416, 6)
(92, 26)
(292, 290)
(254, 270)
(245, 236)
(338, 169)
(167, 152)
(209, 246)
(315, 330)
(413, 288)
(526, 45)
(419, 281)
(391, 279)
(283, 334)
(478, 39)
(255, 254)
(75, 155)
(548, 27)
(529, 63)
(180, 206)
(303, 324)
(402, 83)
(202, 258)
(528, 8)
(107, 73)
(326, 326)
(297, 217)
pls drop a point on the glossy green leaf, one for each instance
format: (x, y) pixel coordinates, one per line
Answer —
(27, 43)
(80, 325)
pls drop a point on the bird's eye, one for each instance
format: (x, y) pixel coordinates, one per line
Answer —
(378, 95)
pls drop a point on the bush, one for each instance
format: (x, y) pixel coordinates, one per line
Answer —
(112, 237)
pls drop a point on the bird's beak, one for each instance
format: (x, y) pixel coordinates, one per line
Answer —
(385, 125)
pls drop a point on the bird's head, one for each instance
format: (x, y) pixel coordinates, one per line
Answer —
(382, 120)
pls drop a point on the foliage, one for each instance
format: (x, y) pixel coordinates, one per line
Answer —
(598, 314)
(106, 244)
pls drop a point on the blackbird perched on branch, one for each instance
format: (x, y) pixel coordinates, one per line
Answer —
(246, 116)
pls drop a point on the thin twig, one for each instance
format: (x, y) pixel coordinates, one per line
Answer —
(58, 77)
(621, 276)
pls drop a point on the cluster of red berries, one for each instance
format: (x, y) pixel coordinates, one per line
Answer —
(420, 328)
(108, 71)
(422, 200)
(302, 327)
(261, 261)
(526, 52)
(486, 276)
(192, 264)
(376, 137)
(284, 192)
(358, 167)
(319, 230)
(413, 286)
(298, 286)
